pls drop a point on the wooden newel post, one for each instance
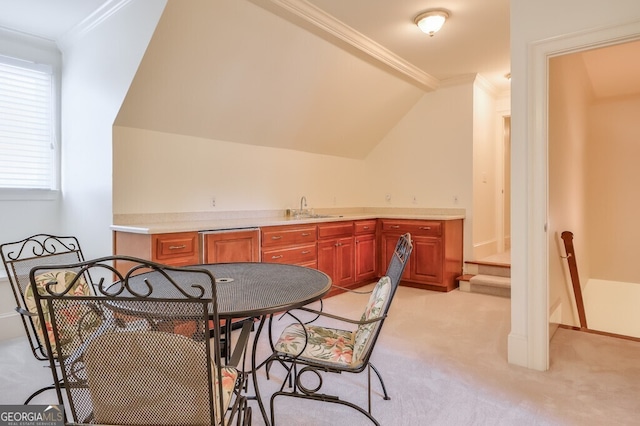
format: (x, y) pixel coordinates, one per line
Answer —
(567, 237)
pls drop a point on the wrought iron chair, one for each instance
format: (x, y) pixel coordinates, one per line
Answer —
(309, 348)
(19, 258)
(139, 352)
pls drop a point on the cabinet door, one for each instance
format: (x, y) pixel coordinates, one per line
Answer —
(426, 262)
(345, 261)
(326, 258)
(237, 246)
(365, 253)
(389, 242)
(177, 249)
(335, 258)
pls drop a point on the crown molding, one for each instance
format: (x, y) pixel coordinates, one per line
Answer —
(329, 24)
(10, 33)
(104, 12)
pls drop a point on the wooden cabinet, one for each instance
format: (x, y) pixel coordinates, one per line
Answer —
(176, 249)
(290, 244)
(231, 246)
(436, 260)
(336, 252)
(351, 252)
(365, 250)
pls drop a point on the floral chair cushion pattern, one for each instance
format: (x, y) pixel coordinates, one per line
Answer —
(375, 308)
(331, 345)
(70, 318)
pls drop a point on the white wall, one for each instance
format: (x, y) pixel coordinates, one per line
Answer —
(428, 154)
(613, 202)
(98, 69)
(531, 44)
(570, 96)
(157, 172)
(485, 168)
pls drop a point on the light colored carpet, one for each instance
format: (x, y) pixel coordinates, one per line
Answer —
(443, 358)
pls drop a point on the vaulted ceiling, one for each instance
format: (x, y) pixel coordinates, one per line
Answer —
(233, 71)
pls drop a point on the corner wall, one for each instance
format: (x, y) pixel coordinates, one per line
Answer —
(98, 68)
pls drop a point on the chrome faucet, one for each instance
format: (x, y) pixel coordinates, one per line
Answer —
(303, 203)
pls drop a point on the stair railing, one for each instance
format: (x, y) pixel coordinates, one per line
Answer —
(567, 237)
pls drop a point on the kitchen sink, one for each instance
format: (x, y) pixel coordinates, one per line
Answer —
(312, 216)
(318, 216)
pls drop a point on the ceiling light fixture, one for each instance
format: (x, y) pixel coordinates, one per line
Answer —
(431, 20)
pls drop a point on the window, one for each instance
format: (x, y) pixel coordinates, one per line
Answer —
(27, 125)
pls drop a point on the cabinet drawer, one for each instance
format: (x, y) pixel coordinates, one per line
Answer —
(291, 255)
(364, 227)
(178, 245)
(287, 235)
(337, 229)
(418, 227)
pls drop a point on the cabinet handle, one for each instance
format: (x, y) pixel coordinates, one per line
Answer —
(395, 226)
(365, 227)
(305, 234)
(338, 244)
(306, 252)
(426, 228)
(177, 247)
(277, 257)
(276, 237)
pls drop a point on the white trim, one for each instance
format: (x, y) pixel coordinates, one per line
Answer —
(329, 24)
(533, 350)
(104, 12)
(11, 194)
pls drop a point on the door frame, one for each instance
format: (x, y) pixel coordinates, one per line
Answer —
(529, 336)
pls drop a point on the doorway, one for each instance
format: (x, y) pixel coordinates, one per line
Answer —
(594, 102)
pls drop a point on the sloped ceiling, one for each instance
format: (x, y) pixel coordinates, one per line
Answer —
(614, 70)
(230, 70)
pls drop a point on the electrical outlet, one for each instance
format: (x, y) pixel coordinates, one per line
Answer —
(455, 199)
(213, 201)
(414, 200)
(387, 198)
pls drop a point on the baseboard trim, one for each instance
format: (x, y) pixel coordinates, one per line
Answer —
(601, 333)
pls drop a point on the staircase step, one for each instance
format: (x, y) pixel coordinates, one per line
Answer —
(488, 268)
(490, 284)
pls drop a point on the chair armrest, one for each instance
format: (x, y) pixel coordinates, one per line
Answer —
(350, 290)
(339, 318)
(25, 313)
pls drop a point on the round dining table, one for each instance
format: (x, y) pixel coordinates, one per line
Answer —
(245, 290)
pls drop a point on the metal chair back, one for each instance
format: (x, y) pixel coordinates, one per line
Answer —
(395, 269)
(128, 356)
(19, 258)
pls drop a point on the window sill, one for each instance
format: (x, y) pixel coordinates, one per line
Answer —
(10, 194)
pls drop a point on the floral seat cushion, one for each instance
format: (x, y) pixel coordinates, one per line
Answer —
(68, 322)
(336, 346)
(325, 345)
(153, 377)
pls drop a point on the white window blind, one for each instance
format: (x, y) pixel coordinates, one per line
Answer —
(27, 132)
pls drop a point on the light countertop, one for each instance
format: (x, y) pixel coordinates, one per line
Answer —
(207, 221)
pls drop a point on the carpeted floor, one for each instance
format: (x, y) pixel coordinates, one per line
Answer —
(443, 358)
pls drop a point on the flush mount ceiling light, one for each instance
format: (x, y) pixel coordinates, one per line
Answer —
(431, 20)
